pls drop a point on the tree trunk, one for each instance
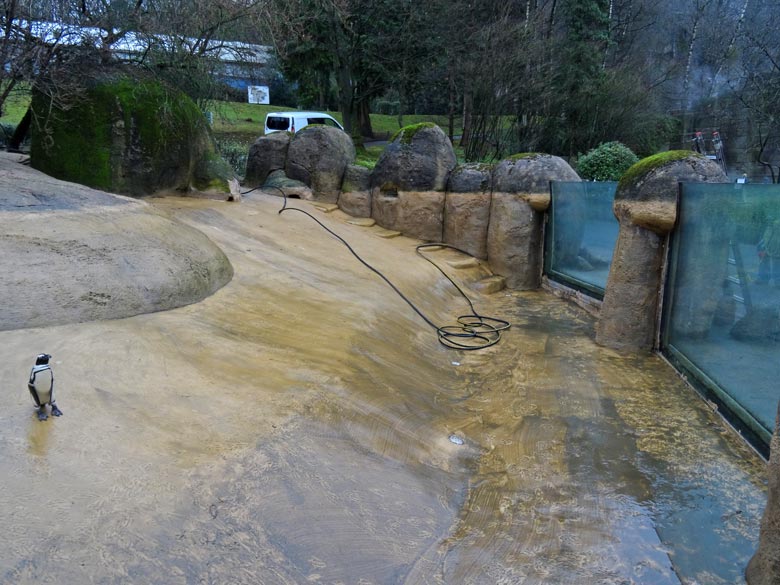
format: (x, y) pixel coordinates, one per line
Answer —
(734, 35)
(467, 118)
(451, 113)
(364, 119)
(345, 97)
(551, 20)
(687, 116)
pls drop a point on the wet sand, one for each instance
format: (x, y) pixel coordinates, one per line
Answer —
(293, 428)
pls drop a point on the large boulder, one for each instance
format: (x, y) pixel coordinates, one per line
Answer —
(355, 198)
(73, 254)
(467, 208)
(764, 567)
(129, 136)
(521, 192)
(318, 156)
(646, 207)
(409, 180)
(267, 154)
(419, 158)
(528, 175)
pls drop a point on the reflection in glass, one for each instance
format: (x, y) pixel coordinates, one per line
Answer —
(581, 234)
(723, 307)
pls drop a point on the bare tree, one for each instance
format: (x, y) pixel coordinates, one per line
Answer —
(167, 37)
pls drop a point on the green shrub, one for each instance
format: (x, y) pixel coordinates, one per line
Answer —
(607, 162)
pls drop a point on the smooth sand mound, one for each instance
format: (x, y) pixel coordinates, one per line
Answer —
(71, 254)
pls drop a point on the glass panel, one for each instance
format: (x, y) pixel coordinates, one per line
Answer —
(723, 306)
(581, 234)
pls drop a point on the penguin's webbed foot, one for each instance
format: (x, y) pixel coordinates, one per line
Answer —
(42, 414)
(55, 411)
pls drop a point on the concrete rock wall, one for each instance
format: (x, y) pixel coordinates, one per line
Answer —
(467, 208)
(514, 240)
(494, 213)
(355, 198)
(521, 193)
(646, 207)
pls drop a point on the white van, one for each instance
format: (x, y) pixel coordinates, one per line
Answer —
(297, 121)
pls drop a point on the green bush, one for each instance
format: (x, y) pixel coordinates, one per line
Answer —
(607, 162)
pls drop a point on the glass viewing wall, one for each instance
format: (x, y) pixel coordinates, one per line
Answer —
(722, 305)
(581, 235)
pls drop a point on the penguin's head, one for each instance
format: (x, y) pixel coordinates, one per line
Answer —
(42, 359)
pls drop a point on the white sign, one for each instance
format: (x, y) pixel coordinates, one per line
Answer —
(258, 94)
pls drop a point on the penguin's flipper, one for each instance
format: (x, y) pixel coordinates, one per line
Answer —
(55, 411)
(34, 394)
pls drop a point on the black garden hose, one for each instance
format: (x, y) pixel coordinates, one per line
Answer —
(473, 331)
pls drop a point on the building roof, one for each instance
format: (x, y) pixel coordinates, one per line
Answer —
(134, 43)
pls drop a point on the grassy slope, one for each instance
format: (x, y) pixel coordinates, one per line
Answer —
(237, 125)
(234, 118)
(15, 107)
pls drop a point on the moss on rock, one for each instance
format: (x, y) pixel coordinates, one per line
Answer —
(124, 135)
(407, 133)
(526, 155)
(653, 162)
(419, 158)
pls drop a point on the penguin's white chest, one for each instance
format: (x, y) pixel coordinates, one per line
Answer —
(43, 383)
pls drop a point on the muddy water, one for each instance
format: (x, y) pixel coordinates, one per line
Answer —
(295, 426)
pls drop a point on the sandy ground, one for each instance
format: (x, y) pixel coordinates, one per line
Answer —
(293, 428)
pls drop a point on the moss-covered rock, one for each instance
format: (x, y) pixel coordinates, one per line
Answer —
(528, 174)
(129, 136)
(407, 133)
(467, 208)
(647, 192)
(521, 192)
(646, 207)
(471, 178)
(419, 158)
(656, 161)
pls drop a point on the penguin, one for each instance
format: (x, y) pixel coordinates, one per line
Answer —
(41, 386)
